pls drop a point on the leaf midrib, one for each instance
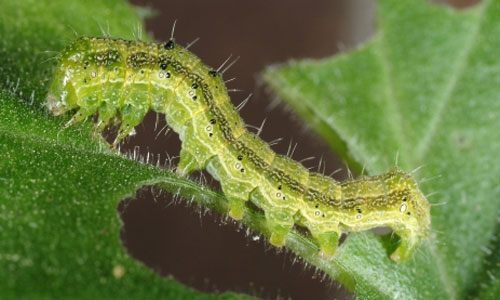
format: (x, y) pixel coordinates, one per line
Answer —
(461, 64)
(396, 122)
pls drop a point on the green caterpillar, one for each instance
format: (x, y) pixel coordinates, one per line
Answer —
(122, 80)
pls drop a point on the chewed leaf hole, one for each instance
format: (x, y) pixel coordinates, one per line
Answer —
(177, 238)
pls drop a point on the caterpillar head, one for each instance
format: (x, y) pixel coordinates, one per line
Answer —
(62, 96)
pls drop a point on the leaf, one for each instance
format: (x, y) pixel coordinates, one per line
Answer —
(488, 285)
(59, 189)
(426, 90)
(424, 87)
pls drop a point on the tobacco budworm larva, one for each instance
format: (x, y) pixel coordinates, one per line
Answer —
(122, 80)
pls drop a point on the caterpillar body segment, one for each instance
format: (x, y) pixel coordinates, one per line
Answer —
(121, 81)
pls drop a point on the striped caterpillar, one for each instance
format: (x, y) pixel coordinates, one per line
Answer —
(122, 80)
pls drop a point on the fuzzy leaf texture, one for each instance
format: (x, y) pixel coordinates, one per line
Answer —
(426, 86)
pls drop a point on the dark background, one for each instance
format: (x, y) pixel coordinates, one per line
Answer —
(203, 249)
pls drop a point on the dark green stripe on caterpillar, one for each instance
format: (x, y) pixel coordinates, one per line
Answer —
(122, 80)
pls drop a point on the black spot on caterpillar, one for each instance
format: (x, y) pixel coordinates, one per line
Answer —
(122, 80)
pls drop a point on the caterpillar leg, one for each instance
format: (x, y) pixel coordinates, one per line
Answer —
(123, 132)
(409, 243)
(107, 111)
(88, 106)
(237, 197)
(187, 163)
(328, 242)
(131, 117)
(279, 221)
(102, 123)
(279, 218)
(326, 235)
(80, 115)
(237, 193)
(236, 208)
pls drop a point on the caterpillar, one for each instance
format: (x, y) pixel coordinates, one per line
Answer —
(121, 80)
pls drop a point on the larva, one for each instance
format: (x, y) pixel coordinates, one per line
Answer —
(122, 80)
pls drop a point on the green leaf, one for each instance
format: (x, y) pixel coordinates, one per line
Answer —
(488, 286)
(425, 89)
(59, 189)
